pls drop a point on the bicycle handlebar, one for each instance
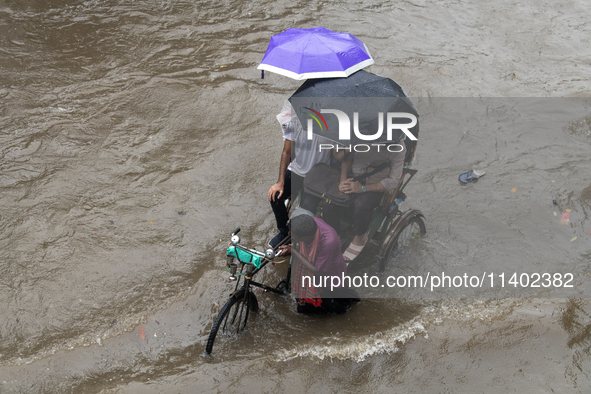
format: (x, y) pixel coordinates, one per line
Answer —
(270, 254)
(250, 250)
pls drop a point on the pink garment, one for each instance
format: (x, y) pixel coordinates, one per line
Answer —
(329, 259)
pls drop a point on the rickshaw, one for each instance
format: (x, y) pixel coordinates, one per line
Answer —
(390, 229)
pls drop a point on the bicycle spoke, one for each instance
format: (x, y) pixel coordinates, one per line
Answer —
(236, 306)
(405, 241)
(239, 322)
(247, 301)
(225, 323)
(408, 234)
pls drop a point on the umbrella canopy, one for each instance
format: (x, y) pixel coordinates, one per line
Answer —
(315, 53)
(369, 96)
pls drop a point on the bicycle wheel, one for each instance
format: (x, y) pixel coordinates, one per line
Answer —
(410, 231)
(233, 317)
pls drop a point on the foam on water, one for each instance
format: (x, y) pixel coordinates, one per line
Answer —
(392, 340)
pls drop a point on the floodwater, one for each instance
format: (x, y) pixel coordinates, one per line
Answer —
(136, 135)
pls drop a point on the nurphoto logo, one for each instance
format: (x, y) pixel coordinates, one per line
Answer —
(345, 129)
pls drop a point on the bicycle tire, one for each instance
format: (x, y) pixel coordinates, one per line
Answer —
(403, 236)
(222, 318)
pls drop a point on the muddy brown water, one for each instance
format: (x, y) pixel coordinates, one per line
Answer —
(135, 135)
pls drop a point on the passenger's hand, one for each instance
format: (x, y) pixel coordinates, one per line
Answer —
(285, 250)
(345, 185)
(342, 186)
(273, 191)
(350, 186)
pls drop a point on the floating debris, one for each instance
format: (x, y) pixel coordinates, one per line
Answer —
(513, 190)
(470, 176)
(182, 213)
(141, 332)
(565, 218)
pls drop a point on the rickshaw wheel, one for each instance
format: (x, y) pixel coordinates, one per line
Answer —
(233, 317)
(412, 229)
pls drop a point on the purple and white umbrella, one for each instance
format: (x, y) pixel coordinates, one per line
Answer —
(315, 53)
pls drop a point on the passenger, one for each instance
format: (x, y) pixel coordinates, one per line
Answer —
(319, 254)
(292, 170)
(357, 165)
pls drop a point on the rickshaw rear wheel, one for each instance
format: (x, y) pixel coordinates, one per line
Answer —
(412, 229)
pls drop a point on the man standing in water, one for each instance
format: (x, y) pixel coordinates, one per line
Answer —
(298, 157)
